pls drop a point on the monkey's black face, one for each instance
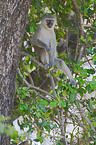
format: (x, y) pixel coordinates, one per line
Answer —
(50, 23)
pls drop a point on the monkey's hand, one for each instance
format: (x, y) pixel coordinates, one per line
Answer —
(46, 66)
(49, 50)
(73, 83)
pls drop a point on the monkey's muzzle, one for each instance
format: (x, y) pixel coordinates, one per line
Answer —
(50, 23)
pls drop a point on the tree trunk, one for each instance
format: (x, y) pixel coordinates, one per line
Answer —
(12, 24)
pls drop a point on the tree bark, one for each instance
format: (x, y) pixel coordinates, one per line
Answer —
(12, 24)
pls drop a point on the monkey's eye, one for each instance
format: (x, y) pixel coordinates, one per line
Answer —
(50, 23)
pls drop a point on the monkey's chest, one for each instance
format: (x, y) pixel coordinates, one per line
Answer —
(49, 40)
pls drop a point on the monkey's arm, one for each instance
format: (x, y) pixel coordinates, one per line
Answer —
(64, 68)
(39, 43)
(36, 40)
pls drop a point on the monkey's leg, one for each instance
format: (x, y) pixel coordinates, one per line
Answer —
(44, 56)
(64, 68)
(47, 58)
(51, 60)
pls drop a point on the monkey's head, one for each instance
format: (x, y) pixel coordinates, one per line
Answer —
(49, 21)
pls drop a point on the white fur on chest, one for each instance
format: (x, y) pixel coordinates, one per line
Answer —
(49, 38)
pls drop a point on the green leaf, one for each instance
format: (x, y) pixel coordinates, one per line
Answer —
(38, 134)
(81, 91)
(90, 104)
(83, 39)
(94, 123)
(83, 73)
(62, 103)
(77, 104)
(89, 89)
(80, 63)
(43, 108)
(85, 10)
(73, 96)
(44, 102)
(90, 71)
(64, 93)
(11, 132)
(94, 57)
(46, 115)
(32, 29)
(41, 140)
(36, 140)
(89, 51)
(93, 85)
(27, 58)
(54, 103)
(90, 39)
(38, 114)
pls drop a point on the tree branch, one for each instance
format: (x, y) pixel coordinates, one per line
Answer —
(78, 13)
(37, 62)
(85, 117)
(88, 26)
(75, 119)
(32, 82)
(33, 87)
(80, 53)
(43, 97)
(88, 60)
(31, 57)
(77, 10)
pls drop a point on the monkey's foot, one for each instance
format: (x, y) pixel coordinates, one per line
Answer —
(73, 83)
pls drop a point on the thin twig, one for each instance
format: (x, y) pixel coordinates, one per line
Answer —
(43, 82)
(65, 123)
(68, 49)
(88, 60)
(32, 82)
(77, 120)
(77, 46)
(62, 122)
(88, 26)
(85, 117)
(55, 119)
(80, 53)
(62, 125)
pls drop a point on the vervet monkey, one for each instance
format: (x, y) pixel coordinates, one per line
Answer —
(44, 38)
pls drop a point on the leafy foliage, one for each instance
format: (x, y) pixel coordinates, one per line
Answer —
(8, 129)
(42, 111)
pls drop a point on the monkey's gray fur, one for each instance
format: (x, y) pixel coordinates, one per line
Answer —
(44, 39)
